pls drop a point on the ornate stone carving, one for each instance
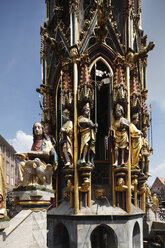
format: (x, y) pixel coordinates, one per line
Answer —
(145, 114)
(67, 195)
(120, 181)
(34, 168)
(85, 88)
(74, 53)
(85, 185)
(88, 19)
(119, 88)
(73, 6)
(70, 185)
(43, 51)
(67, 87)
(100, 193)
(103, 11)
(135, 92)
(143, 53)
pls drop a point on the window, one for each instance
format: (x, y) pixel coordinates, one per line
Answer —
(7, 179)
(12, 157)
(12, 170)
(2, 148)
(12, 181)
(7, 153)
(7, 166)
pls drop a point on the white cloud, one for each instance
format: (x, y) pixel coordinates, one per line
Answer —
(158, 171)
(22, 142)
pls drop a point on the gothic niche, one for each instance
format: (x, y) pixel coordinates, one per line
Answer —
(101, 78)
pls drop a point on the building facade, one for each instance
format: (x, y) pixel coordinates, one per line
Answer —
(8, 153)
(158, 187)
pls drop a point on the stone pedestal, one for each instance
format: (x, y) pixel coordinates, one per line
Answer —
(4, 224)
(32, 197)
(94, 227)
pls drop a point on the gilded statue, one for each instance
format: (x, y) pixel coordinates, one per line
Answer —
(120, 131)
(88, 137)
(2, 188)
(120, 181)
(36, 166)
(136, 141)
(155, 201)
(66, 140)
(145, 154)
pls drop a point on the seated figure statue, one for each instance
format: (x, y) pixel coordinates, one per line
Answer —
(2, 188)
(36, 166)
(120, 132)
(88, 137)
(66, 140)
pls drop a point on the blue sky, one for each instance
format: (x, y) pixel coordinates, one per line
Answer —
(153, 20)
(20, 72)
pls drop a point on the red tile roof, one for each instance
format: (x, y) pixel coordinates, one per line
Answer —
(162, 179)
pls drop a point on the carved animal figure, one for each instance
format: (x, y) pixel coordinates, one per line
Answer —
(34, 168)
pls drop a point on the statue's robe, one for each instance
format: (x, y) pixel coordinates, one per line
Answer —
(136, 144)
(67, 140)
(88, 135)
(121, 134)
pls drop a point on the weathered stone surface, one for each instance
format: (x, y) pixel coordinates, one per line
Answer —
(4, 224)
(97, 208)
(26, 194)
(81, 226)
(28, 229)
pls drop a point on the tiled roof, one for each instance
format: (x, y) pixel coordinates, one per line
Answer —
(158, 183)
(162, 179)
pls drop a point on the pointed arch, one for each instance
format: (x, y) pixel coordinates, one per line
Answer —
(100, 58)
(136, 236)
(103, 88)
(104, 236)
(101, 50)
(61, 236)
